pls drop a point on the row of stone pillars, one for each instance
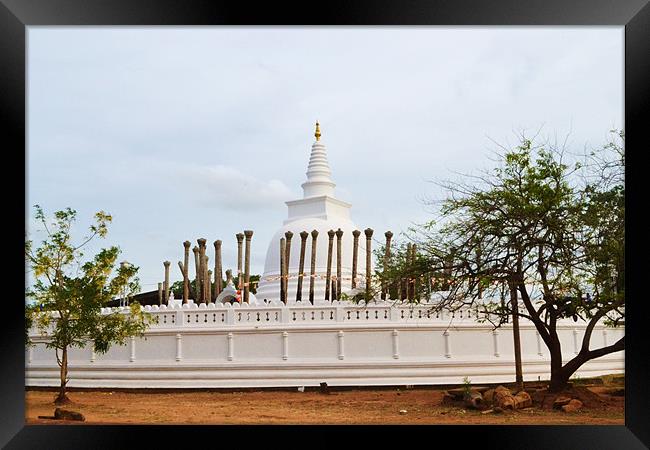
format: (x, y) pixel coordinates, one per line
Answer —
(333, 282)
(205, 291)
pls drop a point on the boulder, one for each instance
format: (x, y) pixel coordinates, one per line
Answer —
(488, 396)
(572, 406)
(561, 401)
(64, 414)
(503, 398)
(522, 400)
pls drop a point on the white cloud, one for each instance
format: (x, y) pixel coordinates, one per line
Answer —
(228, 187)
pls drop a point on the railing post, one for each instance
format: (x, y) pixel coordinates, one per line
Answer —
(495, 339)
(179, 354)
(447, 344)
(395, 344)
(132, 357)
(285, 345)
(231, 346)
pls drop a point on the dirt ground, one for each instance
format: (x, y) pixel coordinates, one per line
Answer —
(361, 406)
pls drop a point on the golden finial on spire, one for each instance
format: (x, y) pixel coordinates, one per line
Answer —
(317, 133)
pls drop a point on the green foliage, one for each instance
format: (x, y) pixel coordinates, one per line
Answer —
(69, 291)
(467, 387)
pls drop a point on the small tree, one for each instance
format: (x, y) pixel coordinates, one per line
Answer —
(531, 226)
(67, 293)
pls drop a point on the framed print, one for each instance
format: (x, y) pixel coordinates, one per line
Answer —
(262, 179)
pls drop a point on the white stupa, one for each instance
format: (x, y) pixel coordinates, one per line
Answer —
(318, 210)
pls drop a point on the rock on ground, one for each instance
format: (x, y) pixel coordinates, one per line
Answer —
(64, 414)
(573, 406)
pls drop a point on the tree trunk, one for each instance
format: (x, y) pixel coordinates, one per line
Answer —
(559, 379)
(62, 398)
(519, 378)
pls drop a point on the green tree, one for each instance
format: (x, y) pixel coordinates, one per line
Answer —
(68, 293)
(533, 226)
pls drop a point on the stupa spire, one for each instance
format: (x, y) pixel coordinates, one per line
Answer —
(319, 177)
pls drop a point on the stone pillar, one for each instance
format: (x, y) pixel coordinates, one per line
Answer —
(247, 265)
(408, 271)
(240, 239)
(218, 275)
(186, 271)
(355, 254)
(209, 281)
(314, 235)
(283, 293)
(479, 266)
(197, 267)
(166, 264)
(287, 259)
(301, 264)
(368, 232)
(288, 235)
(184, 275)
(228, 276)
(385, 289)
(202, 269)
(206, 280)
(414, 279)
(339, 236)
(330, 233)
(160, 293)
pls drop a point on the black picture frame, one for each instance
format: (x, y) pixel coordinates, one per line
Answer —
(634, 15)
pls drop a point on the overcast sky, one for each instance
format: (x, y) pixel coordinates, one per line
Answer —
(182, 133)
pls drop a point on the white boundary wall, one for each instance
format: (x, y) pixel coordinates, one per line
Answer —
(219, 346)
